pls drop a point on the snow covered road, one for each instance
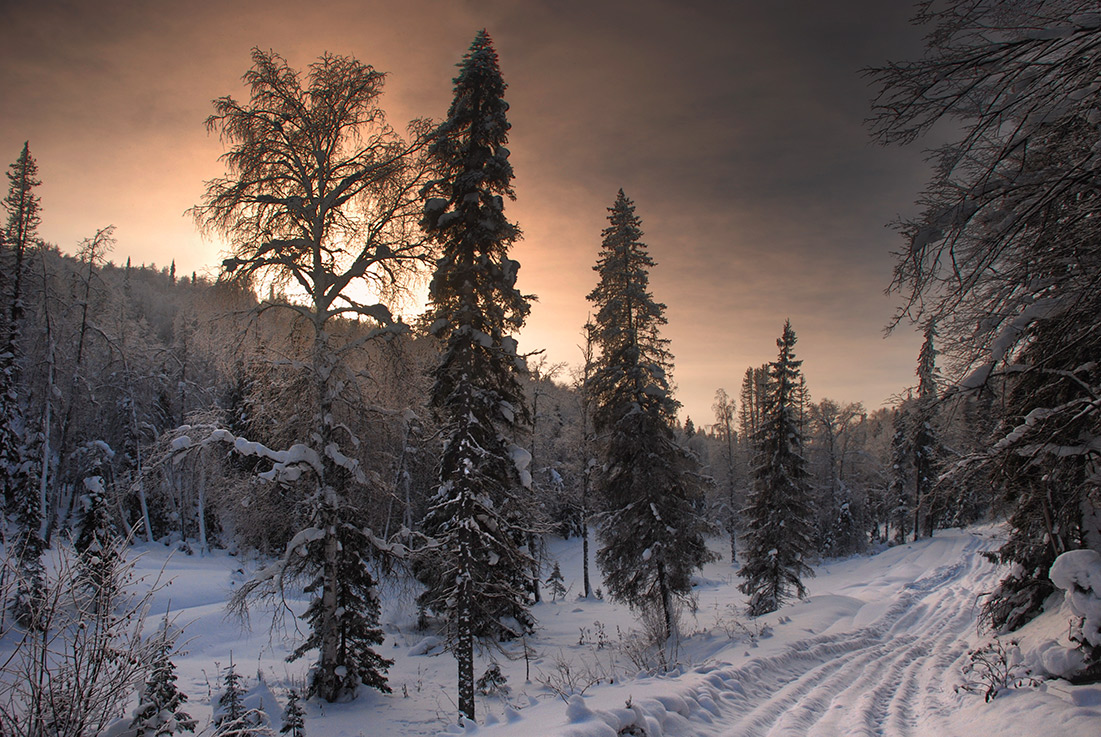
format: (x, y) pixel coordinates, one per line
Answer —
(876, 651)
(876, 680)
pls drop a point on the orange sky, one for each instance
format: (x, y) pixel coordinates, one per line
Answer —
(736, 127)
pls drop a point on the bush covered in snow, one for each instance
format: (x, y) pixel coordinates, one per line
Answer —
(1078, 574)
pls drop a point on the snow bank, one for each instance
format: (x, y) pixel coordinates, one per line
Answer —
(1078, 574)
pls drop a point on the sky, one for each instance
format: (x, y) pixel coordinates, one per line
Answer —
(736, 126)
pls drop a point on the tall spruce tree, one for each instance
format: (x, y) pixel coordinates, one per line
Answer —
(23, 210)
(779, 517)
(23, 207)
(651, 533)
(477, 571)
(926, 440)
(900, 479)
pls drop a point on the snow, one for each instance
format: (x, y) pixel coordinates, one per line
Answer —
(521, 458)
(876, 649)
(1078, 574)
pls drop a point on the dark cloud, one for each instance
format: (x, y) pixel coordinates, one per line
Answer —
(736, 126)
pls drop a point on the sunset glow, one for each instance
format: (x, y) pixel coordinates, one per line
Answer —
(736, 127)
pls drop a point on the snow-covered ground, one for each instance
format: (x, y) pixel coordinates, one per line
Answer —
(876, 650)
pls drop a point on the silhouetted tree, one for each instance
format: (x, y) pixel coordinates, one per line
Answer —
(321, 193)
(779, 518)
(651, 532)
(476, 571)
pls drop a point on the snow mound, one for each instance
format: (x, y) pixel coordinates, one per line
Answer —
(1078, 574)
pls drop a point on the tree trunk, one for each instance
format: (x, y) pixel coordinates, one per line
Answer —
(328, 661)
(464, 627)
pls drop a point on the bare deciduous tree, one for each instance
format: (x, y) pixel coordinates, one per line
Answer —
(321, 196)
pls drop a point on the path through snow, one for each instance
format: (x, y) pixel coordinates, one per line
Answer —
(875, 680)
(875, 652)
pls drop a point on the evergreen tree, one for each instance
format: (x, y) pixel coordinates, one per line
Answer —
(230, 710)
(556, 583)
(294, 717)
(651, 534)
(753, 393)
(232, 716)
(926, 442)
(23, 207)
(357, 602)
(900, 495)
(11, 430)
(160, 708)
(28, 545)
(20, 231)
(95, 538)
(476, 573)
(779, 516)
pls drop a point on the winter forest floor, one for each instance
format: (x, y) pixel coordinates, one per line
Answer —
(878, 649)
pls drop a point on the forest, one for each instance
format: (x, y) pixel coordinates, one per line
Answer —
(285, 412)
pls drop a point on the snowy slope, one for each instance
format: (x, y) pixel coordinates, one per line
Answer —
(876, 650)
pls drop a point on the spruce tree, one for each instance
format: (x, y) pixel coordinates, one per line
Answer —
(230, 711)
(294, 717)
(900, 495)
(23, 207)
(926, 443)
(651, 533)
(17, 454)
(780, 517)
(233, 717)
(95, 540)
(556, 583)
(11, 428)
(28, 544)
(357, 602)
(476, 573)
(160, 708)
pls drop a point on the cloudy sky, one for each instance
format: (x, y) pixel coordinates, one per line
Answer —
(736, 126)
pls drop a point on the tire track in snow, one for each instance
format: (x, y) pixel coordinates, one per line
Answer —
(877, 681)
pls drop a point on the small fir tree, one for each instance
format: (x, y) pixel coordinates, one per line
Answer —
(231, 702)
(95, 538)
(779, 516)
(160, 707)
(556, 583)
(233, 717)
(294, 717)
